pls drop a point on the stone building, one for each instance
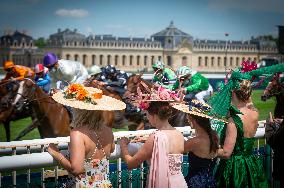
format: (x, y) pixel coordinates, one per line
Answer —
(20, 48)
(171, 45)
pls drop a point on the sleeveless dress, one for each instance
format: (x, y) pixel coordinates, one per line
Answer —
(165, 169)
(95, 175)
(200, 172)
(243, 169)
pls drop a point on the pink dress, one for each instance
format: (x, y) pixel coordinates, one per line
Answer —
(165, 169)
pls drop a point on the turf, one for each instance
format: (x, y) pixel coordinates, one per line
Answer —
(17, 126)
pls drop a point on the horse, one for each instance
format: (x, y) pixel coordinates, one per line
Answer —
(9, 111)
(275, 88)
(52, 118)
(178, 118)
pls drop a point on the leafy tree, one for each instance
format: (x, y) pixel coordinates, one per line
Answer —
(40, 42)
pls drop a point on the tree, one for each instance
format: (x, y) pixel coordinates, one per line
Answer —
(40, 42)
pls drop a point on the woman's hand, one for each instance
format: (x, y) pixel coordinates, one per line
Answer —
(52, 150)
(124, 141)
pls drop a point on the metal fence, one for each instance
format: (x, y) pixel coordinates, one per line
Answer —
(26, 163)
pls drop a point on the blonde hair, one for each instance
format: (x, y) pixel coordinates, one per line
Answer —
(91, 118)
(244, 92)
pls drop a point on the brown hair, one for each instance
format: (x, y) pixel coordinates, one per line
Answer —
(91, 118)
(205, 124)
(162, 109)
(244, 92)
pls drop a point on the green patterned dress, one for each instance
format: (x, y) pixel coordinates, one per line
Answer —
(243, 169)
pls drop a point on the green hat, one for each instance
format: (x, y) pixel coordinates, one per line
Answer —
(184, 70)
(221, 102)
(158, 65)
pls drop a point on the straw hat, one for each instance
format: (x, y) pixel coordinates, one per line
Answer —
(87, 98)
(197, 108)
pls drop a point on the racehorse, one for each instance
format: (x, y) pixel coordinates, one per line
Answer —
(275, 88)
(134, 81)
(52, 117)
(8, 112)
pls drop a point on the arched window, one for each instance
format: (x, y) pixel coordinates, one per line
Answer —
(145, 60)
(184, 61)
(101, 59)
(219, 61)
(206, 61)
(212, 61)
(76, 57)
(84, 59)
(237, 61)
(231, 61)
(225, 61)
(169, 60)
(68, 56)
(93, 59)
(152, 59)
(138, 60)
(160, 58)
(123, 60)
(130, 60)
(108, 59)
(199, 61)
(116, 60)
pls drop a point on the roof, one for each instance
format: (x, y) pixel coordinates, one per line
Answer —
(171, 30)
(16, 36)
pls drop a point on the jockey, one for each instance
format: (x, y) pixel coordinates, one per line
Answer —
(114, 78)
(163, 76)
(15, 73)
(42, 78)
(193, 84)
(64, 72)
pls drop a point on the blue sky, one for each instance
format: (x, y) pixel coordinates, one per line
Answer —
(203, 19)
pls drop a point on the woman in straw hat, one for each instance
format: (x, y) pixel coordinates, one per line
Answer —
(91, 142)
(202, 149)
(164, 148)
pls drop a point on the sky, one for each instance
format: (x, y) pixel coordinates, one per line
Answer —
(203, 19)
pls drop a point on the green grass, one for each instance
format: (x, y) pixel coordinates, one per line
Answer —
(17, 126)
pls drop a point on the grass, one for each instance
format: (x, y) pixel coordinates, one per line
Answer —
(17, 126)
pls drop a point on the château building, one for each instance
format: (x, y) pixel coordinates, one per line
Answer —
(171, 45)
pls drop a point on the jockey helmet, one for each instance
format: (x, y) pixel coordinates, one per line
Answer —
(110, 69)
(39, 68)
(184, 71)
(8, 65)
(95, 69)
(158, 65)
(49, 59)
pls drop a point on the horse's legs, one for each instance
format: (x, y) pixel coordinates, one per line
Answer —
(7, 130)
(26, 130)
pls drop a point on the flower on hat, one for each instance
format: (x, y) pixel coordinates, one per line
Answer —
(78, 92)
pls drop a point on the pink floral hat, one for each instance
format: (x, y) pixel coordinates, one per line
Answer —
(142, 100)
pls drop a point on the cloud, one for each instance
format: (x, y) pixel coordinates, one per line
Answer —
(72, 13)
(248, 5)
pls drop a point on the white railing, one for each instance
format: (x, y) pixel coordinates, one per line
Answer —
(35, 157)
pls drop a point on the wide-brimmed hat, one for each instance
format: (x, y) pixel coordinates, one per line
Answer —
(197, 108)
(87, 98)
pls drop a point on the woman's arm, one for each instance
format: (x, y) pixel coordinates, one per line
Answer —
(189, 145)
(143, 154)
(230, 141)
(77, 154)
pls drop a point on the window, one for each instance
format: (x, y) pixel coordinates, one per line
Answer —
(199, 61)
(76, 57)
(108, 59)
(219, 61)
(101, 59)
(123, 60)
(130, 60)
(84, 59)
(145, 60)
(116, 60)
(152, 59)
(206, 61)
(169, 60)
(93, 59)
(237, 61)
(212, 61)
(225, 61)
(68, 56)
(231, 61)
(138, 60)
